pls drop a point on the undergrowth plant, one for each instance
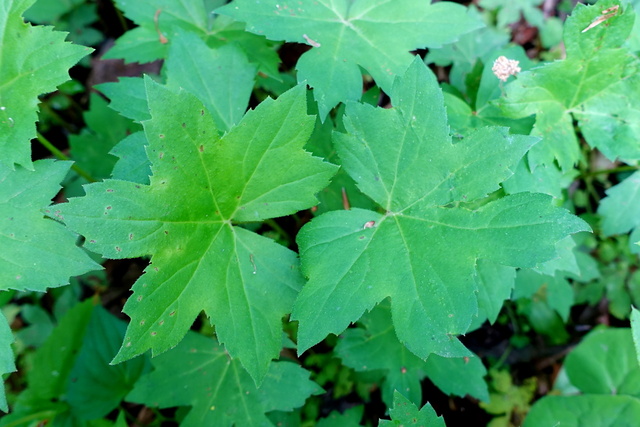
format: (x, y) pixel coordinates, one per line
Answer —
(336, 226)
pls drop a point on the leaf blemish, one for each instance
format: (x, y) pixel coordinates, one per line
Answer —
(154, 333)
(161, 136)
(118, 249)
(161, 322)
(172, 313)
(109, 190)
(369, 224)
(92, 241)
(184, 125)
(201, 148)
(130, 236)
(139, 298)
(142, 322)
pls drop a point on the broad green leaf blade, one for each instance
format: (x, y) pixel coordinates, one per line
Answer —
(244, 282)
(7, 364)
(128, 97)
(405, 413)
(635, 331)
(620, 210)
(584, 411)
(33, 61)
(495, 283)
(90, 148)
(346, 35)
(218, 389)
(596, 85)
(133, 164)
(376, 347)
(222, 78)
(37, 253)
(95, 387)
(605, 362)
(350, 418)
(423, 252)
(51, 367)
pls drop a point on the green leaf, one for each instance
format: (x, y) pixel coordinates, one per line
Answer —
(219, 390)
(90, 149)
(161, 21)
(222, 78)
(133, 164)
(405, 413)
(128, 97)
(6, 357)
(510, 11)
(50, 369)
(584, 411)
(33, 61)
(597, 85)
(423, 252)
(346, 35)
(376, 347)
(350, 418)
(38, 253)
(635, 330)
(96, 387)
(605, 362)
(620, 210)
(201, 183)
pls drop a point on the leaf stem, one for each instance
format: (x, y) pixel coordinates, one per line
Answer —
(607, 171)
(61, 156)
(276, 227)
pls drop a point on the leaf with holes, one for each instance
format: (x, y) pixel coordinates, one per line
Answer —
(423, 251)
(346, 35)
(202, 186)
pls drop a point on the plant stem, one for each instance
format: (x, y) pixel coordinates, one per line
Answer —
(61, 156)
(276, 227)
(612, 170)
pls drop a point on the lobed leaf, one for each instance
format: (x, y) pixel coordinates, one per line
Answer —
(37, 253)
(424, 250)
(219, 390)
(200, 260)
(597, 85)
(33, 61)
(405, 413)
(345, 35)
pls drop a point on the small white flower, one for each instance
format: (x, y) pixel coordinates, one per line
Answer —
(504, 67)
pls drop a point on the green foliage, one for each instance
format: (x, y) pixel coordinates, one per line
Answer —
(405, 413)
(347, 254)
(605, 369)
(34, 61)
(363, 33)
(218, 389)
(228, 179)
(315, 257)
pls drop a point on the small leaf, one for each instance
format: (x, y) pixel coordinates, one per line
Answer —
(219, 390)
(7, 363)
(635, 330)
(405, 413)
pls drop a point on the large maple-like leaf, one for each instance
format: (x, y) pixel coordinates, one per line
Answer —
(33, 61)
(201, 183)
(218, 390)
(423, 251)
(597, 85)
(345, 34)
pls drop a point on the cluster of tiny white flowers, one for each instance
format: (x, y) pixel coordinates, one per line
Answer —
(504, 67)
